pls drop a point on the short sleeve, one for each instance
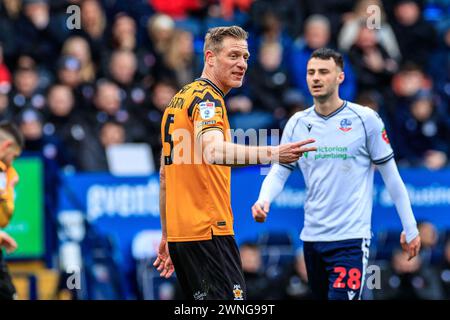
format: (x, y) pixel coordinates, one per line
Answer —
(207, 115)
(288, 131)
(378, 144)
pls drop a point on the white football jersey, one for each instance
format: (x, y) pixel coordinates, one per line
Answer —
(339, 175)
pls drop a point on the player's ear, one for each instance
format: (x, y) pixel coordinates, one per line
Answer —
(341, 77)
(209, 57)
(5, 144)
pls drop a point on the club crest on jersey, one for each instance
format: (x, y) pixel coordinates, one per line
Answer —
(385, 136)
(237, 292)
(346, 125)
(207, 110)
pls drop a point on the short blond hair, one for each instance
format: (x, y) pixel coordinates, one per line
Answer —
(215, 36)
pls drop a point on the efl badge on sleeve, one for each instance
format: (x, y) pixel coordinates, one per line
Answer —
(207, 110)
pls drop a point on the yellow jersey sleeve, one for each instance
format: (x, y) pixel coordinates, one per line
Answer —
(208, 115)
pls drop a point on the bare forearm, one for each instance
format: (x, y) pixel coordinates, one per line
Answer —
(162, 210)
(162, 196)
(231, 154)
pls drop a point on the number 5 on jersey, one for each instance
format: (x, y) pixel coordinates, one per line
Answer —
(168, 160)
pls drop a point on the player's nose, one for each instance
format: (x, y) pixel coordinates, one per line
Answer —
(242, 64)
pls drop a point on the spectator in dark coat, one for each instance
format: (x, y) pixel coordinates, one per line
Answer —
(268, 83)
(421, 134)
(444, 271)
(295, 280)
(409, 280)
(66, 121)
(415, 36)
(317, 35)
(39, 33)
(92, 157)
(109, 106)
(26, 92)
(372, 64)
(257, 283)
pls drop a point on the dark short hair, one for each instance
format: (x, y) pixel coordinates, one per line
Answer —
(327, 54)
(11, 129)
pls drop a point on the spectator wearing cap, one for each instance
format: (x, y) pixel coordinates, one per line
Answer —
(421, 133)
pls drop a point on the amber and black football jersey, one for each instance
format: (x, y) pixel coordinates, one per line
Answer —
(8, 179)
(198, 201)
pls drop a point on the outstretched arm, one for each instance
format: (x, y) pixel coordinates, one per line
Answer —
(410, 239)
(218, 151)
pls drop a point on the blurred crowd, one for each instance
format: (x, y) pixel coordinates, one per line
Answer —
(76, 91)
